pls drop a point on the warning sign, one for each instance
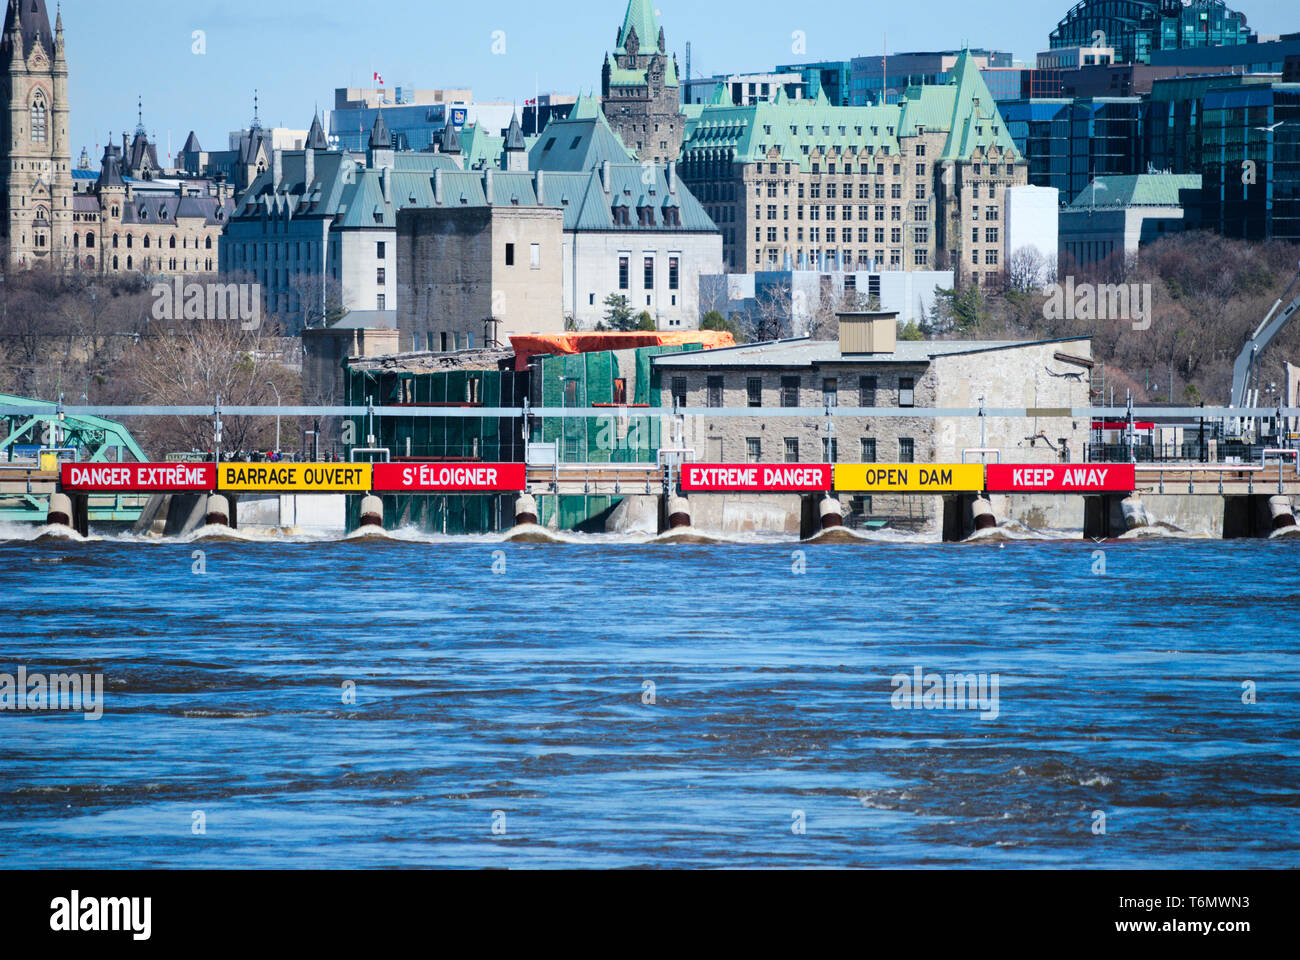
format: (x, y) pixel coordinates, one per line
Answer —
(449, 477)
(778, 478)
(1062, 478)
(910, 477)
(138, 477)
(294, 477)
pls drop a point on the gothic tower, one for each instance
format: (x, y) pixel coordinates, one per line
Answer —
(640, 90)
(36, 166)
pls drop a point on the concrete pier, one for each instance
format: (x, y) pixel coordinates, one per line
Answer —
(1280, 510)
(832, 513)
(526, 510)
(218, 511)
(372, 512)
(679, 513)
(982, 515)
(1135, 513)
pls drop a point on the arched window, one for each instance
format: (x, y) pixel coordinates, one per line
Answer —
(146, 241)
(115, 247)
(128, 262)
(173, 241)
(207, 244)
(129, 240)
(115, 263)
(90, 241)
(39, 119)
(76, 239)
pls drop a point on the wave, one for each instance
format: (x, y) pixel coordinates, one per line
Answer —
(1163, 531)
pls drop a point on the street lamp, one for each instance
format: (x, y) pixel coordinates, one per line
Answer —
(277, 417)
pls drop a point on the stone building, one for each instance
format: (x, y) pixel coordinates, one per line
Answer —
(482, 260)
(36, 166)
(317, 227)
(919, 185)
(169, 228)
(813, 375)
(640, 87)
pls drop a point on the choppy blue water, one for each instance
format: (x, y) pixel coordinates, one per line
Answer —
(516, 701)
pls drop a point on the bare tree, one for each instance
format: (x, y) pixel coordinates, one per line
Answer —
(1025, 270)
(769, 318)
(200, 361)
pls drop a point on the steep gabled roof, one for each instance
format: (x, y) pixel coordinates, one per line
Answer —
(581, 141)
(36, 23)
(975, 123)
(316, 135)
(191, 144)
(380, 138)
(641, 18)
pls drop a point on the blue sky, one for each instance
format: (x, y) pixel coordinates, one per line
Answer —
(297, 51)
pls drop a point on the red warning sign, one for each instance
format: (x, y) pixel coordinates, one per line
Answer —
(776, 478)
(449, 477)
(1061, 478)
(138, 477)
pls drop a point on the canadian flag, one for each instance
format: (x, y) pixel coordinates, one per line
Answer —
(379, 80)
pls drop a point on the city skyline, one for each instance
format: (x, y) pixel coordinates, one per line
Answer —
(315, 52)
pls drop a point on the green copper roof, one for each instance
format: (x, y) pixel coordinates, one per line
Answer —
(975, 123)
(962, 108)
(1145, 190)
(641, 17)
(797, 128)
(581, 142)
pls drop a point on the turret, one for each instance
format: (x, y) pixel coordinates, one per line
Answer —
(381, 153)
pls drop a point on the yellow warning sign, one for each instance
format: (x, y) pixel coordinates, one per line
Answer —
(909, 477)
(294, 477)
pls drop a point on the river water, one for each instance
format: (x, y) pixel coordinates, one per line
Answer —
(466, 703)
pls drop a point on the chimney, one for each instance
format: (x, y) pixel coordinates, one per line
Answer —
(437, 187)
(539, 187)
(386, 183)
(670, 171)
(277, 167)
(309, 169)
(868, 333)
(605, 170)
(487, 186)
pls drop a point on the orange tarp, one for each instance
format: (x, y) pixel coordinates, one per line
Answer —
(537, 345)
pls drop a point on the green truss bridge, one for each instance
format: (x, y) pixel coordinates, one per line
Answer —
(26, 483)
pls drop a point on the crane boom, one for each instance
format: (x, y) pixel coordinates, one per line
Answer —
(1247, 366)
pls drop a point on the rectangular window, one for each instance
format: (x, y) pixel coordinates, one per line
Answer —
(754, 449)
(674, 273)
(381, 250)
(830, 450)
(623, 271)
(868, 449)
(789, 391)
(830, 392)
(754, 391)
(535, 256)
(510, 254)
(715, 391)
(381, 302)
(906, 392)
(866, 392)
(679, 391)
(791, 449)
(649, 273)
(380, 276)
(906, 450)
